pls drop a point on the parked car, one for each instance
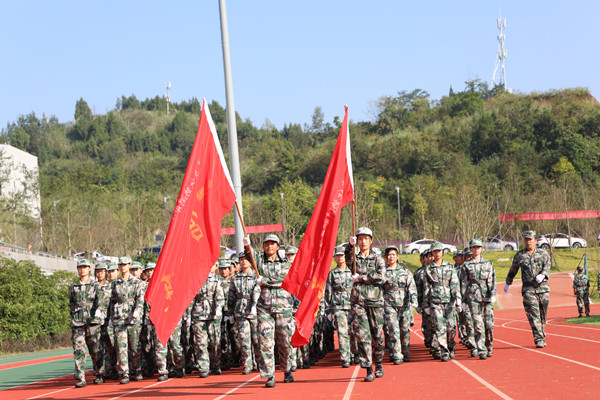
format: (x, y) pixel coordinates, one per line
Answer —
(420, 245)
(496, 244)
(559, 240)
(228, 253)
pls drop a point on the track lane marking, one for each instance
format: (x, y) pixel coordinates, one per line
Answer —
(241, 385)
(138, 390)
(549, 355)
(351, 383)
(477, 377)
(571, 325)
(48, 394)
(547, 334)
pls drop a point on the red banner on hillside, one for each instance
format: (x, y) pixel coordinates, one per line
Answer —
(192, 245)
(308, 274)
(549, 216)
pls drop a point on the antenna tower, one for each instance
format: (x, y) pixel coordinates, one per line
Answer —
(499, 77)
(168, 96)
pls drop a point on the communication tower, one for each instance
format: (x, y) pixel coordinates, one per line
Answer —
(168, 96)
(499, 77)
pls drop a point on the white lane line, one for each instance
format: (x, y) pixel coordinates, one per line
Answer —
(351, 384)
(241, 385)
(548, 354)
(138, 390)
(477, 377)
(48, 394)
(547, 333)
(574, 326)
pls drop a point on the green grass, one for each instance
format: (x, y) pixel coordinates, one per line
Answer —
(591, 320)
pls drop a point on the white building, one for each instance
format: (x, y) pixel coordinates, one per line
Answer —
(19, 181)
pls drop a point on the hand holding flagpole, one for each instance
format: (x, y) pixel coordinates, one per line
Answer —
(252, 260)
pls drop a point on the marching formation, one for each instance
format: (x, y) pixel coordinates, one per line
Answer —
(241, 319)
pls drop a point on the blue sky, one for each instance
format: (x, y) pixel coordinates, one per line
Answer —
(287, 56)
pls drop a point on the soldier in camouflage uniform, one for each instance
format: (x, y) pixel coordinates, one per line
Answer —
(226, 323)
(479, 295)
(419, 276)
(243, 298)
(465, 319)
(110, 359)
(82, 304)
(206, 319)
(146, 334)
(367, 301)
(535, 271)
(400, 297)
(581, 289)
(337, 299)
(275, 309)
(126, 314)
(441, 295)
(100, 322)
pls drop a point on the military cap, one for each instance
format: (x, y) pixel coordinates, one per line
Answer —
(271, 238)
(579, 268)
(111, 267)
(364, 231)
(339, 250)
(100, 266)
(150, 265)
(437, 246)
(475, 242)
(241, 254)
(425, 252)
(224, 263)
(458, 253)
(125, 260)
(389, 248)
(84, 262)
(135, 264)
(291, 250)
(467, 252)
(529, 235)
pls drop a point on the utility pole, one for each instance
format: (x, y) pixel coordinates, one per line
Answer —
(55, 230)
(168, 96)
(399, 218)
(283, 219)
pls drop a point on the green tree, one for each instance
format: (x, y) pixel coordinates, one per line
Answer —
(82, 111)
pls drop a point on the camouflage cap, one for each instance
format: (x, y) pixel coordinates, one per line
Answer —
(224, 263)
(529, 235)
(364, 231)
(437, 246)
(425, 252)
(272, 238)
(111, 267)
(579, 268)
(150, 265)
(390, 248)
(125, 260)
(100, 266)
(291, 250)
(340, 250)
(241, 254)
(458, 253)
(475, 243)
(84, 262)
(134, 265)
(467, 252)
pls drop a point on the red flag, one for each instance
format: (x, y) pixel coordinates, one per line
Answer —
(192, 245)
(308, 274)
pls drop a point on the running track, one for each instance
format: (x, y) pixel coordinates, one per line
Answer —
(568, 368)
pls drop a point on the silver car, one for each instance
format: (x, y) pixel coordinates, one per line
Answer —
(496, 244)
(560, 240)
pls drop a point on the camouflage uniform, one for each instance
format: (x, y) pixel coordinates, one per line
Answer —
(275, 319)
(441, 293)
(366, 301)
(226, 325)
(82, 304)
(581, 288)
(106, 352)
(161, 352)
(126, 314)
(465, 316)
(400, 297)
(206, 319)
(536, 296)
(147, 343)
(479, 293)
(243, 297)
(337, 299)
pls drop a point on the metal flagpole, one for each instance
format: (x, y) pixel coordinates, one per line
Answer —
(234, 157)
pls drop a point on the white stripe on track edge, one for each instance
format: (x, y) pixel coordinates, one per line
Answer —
(241, 385)
(138, 390)
(574, 326)
(474, 375)
(351, 384)
(48, 394)
(548, 334)
(548, 354)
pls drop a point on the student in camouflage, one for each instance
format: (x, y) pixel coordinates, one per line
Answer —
(82, 304)
(337, 302)
(441, 295)
(464, 316)
(535, 271)
(366, 301)
(206, 319)
(400, 297)
(419, 276)
(243, 298)
(581, 289)
(110, 359)
(275, 310)
(100, 322)
(479, 295)
(126, 314)
(147, 346)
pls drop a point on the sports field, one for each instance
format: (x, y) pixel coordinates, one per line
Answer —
(569, 367)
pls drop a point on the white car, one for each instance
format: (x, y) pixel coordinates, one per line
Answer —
(423, 244)
(559, 240)
(495, 244)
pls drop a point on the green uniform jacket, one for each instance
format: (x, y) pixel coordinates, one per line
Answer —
(440, 284)
(243, 295)
(126, 301)
(478, 281)
(102, 302)
(372, 269)
(208, 303)
(531, 266)
(418, 277)
(581, 283)
(273, 298)
(399, 288)
(82, 302)
(338, 289)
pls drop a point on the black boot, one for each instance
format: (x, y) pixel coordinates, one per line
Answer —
(370, 375)
(288, 378)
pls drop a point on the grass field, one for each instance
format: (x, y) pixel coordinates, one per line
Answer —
(591, 320)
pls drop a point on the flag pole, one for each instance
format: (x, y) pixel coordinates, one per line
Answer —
(253, 261)
(354, 249)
